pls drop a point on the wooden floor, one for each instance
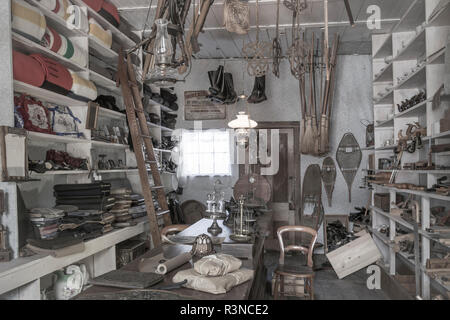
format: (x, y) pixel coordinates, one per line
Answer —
(327, 286)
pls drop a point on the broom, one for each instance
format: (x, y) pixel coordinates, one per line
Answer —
(323, 118)
(315, 146)
(303, 109)
(326, 112)
(310, 133)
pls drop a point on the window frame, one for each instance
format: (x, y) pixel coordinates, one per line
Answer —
(227, 153)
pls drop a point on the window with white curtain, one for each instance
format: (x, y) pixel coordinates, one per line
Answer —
(205, 153)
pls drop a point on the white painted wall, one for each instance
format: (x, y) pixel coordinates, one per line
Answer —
(352, 103)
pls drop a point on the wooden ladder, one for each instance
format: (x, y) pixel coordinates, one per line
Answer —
(143, 147)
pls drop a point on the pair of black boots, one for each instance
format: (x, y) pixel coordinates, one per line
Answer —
(258, 94)
(222, 87)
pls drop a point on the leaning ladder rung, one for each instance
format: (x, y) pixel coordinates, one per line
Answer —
(157, 187)
(151, 161)
(145, 136)
(161, 213)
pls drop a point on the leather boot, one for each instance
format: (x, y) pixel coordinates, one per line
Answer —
(231, 95)
(258, 94)
(221, 96)
(218, 82)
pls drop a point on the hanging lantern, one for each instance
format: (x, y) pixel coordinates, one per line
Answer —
(241, 127)
(163, 73)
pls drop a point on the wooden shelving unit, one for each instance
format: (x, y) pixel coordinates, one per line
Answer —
(413, 55)
(24, 274)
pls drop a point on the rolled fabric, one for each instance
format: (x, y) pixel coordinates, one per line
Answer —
(57, 77)
(28, 20)
(59, 7)
(63, 49)
(94, 4)
(100, 34)
(79, 55)
(63, 11)
(52, 5)
(27, 70)
(110, 13)
(173, 263)
(83, 89)
(52, 40)
(72, 51)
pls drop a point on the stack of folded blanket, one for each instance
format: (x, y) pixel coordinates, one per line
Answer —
(216, 274)
(86, 224)
(90, 196)
(46, 222)
(138, 208)
(121, 207)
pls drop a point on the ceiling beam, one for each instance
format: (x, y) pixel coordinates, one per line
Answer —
(305, 25)
(216, 3)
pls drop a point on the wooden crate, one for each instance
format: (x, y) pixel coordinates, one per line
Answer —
(354, 256)
(381, 201)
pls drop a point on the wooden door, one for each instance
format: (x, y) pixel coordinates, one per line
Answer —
(285, 183)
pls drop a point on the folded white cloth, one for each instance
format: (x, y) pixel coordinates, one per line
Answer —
(83, 87)
(217, 265)
(214, 285)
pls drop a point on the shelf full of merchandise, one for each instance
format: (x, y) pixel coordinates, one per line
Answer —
(414, 52)
(100, 252)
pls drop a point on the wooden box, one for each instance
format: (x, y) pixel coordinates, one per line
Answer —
(382, 201)
(354, 256)
(129, 250)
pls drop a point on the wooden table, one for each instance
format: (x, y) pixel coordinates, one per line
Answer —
(253, 289)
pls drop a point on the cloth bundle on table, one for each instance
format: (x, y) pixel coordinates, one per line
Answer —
(216, 274)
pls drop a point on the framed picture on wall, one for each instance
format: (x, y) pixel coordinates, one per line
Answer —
(197, 106)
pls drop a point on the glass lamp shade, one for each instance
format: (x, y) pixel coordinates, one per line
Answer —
(242, 125)
(162, 74)
(163, 50)
(242, 122)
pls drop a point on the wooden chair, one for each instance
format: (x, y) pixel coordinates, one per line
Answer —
(172, 229)
(295, 271)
